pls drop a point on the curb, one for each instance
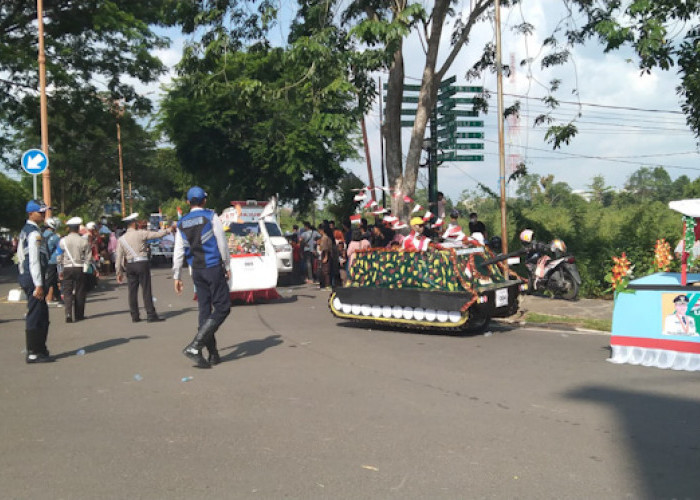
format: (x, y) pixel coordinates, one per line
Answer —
(550, 326)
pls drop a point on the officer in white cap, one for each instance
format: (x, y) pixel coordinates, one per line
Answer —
(72, 264)
(132, 260)
(33, 261)
(200, 241)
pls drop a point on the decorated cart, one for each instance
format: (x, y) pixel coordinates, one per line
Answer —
(455, 289)
(658, 323)
(253, 258)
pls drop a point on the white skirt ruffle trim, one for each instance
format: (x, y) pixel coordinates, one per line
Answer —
(659, 358)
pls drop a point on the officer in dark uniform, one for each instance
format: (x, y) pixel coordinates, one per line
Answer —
(33, 261)
(200, 240)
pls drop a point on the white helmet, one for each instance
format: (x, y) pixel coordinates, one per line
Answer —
(526, 235)
(53, 222)
(90, 226)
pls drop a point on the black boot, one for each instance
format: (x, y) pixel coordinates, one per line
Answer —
(214, 358)
(203, 337)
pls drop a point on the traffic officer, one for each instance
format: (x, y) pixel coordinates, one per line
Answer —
(200, 240)
(33, 259)
(72, 265)
(53, 295)
(132, 259)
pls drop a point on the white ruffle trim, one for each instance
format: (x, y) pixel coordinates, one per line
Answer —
(659, 358)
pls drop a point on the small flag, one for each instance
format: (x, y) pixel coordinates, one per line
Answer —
(380, 212)
(360, 196)
(400, 225)
(438, 223)
(179, 213)
(428, 215)
(396, 194)
(355, 219)
(407, 199)
(390, 219)
(417, 208)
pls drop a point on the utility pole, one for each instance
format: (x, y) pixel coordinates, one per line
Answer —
(501, 133)
(46, 176)
(381, 142)
(369, 160)
(119, 113)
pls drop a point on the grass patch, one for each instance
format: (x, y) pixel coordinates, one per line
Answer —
(603, 325)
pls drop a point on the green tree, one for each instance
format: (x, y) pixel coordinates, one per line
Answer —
(599, 192)
(13, 199)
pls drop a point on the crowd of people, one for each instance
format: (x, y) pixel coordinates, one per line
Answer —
(323, 254)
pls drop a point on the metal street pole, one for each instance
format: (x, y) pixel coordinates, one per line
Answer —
(121, 165)
(369, 160)
(501, 133)
(46, 176)
(381, 142)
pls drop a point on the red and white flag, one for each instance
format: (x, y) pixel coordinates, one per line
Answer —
(407, 199)
(399, 225)
(428, 215)
(390, 219)
(355, 219)
(360, 196)
(380, 212)
(438, 223)
(417, 208)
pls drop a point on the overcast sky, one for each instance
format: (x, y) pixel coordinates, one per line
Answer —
(613, 141)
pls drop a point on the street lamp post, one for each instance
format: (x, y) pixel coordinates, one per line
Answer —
(119, 112)
(46, 176)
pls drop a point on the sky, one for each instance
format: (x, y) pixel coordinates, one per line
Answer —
(628, 120)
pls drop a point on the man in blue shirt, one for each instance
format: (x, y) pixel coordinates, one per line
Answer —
(53, 295)
(200, 240)
(32, 264)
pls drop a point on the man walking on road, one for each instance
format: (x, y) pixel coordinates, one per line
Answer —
(32, 264)
(132, 259)
(72, 263)
(200, 240)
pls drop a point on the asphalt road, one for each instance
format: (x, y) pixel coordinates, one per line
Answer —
(305, 406)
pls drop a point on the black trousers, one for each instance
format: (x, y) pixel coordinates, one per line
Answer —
(52, 281)
(37, 322)
(213, 299)
(139, 274)
(74, 292)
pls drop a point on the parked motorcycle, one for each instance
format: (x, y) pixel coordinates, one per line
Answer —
(550, 267)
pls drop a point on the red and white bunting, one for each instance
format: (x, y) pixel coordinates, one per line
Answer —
(407, 199)
(428, 215)
(400, 225)
(417, 208)
(438, 223)
(380, 212)
(355, 219)
(390, 219)
(360, 196)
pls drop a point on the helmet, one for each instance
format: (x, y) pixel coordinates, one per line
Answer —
(196, 193)
(558, 245)
(90, 225)
(526, 235)
(53, 222)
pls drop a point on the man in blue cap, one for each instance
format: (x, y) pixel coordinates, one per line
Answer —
(200, 240)
(33, 261)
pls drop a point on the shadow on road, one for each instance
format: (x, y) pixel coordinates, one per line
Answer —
(98, 346)
(250, 348)
(661, 434)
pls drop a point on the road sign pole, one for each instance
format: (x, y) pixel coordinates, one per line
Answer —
(34, 181)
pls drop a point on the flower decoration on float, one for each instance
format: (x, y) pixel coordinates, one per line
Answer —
(662, 255)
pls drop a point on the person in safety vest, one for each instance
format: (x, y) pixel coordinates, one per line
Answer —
(201, 242)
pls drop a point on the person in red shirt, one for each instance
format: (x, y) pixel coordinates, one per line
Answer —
(416, 241)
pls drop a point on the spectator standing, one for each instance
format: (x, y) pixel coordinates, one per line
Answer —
(200, 240)
(72, 264)
(358, 243)
(476, 226)
(32, 263)
(133, 260)
(308, 242)
(53, 294)
(325, 251)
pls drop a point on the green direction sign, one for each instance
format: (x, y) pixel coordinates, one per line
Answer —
(408, 112)
(470, 145)
(468, 135)
(461, 88)
(454, 157)
(407, 123)
(446, 93)
(449, 81)
(461, 112)
(458, 100)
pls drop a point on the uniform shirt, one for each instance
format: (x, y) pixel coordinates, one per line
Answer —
(680, 325)
(221, 243)
(78, 248)
(415, 243)
(52, 240)
(34, 243)
(132, 245)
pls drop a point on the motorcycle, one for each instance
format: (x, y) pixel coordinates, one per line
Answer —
(550, 268)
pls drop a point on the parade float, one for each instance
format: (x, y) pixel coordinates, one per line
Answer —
(254, 267)
(656, 322)
(442, 289)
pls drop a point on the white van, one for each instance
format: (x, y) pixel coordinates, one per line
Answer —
(251, 217)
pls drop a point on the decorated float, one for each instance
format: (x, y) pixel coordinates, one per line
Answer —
(443, 289)
(253, 257)
(657, 323)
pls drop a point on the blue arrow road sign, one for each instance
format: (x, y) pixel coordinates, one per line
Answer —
(34, 161)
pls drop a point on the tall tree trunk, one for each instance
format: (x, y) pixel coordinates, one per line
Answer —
(392, 129)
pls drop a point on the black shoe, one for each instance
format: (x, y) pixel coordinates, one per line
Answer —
(135, 320)
(69, 319)
(38, 358)
(214, 358)
(196, 356)
(155, 319)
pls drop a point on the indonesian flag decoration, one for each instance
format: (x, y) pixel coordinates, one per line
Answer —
(355, 219)
(396, 193)
(359, 196)
(400, 225)
(417, 208)
(390, 219)
(438, 223)
(370, 204)
(179, 213)
(428, 215)
(380, 212)
(453, 232)
(407, 199)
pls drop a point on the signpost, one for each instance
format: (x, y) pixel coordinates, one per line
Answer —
(445, 128)
(34, 162)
